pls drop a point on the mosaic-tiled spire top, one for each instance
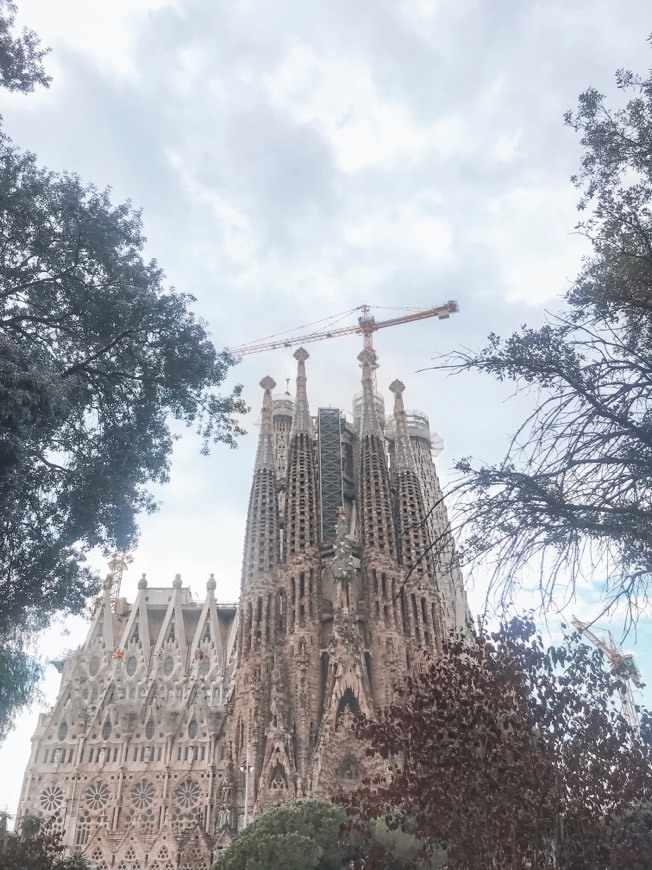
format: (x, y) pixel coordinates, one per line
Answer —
(265, 454)
(375, 498)
(301, 419)
(261, 550)
(301, 512)
(369, 422)
(403, 456)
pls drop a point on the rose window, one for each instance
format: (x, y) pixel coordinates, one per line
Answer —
(52, 798)
(97, 795)
(143, 794)
(188, 793)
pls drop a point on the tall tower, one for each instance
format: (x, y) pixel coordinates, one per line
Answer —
(424, 624)
(262, 607)
(177, 721)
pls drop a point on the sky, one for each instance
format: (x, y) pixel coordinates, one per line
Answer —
(294, 160)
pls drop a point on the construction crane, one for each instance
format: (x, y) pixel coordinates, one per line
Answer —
(118, 564)
(366, 326)
(621, 663)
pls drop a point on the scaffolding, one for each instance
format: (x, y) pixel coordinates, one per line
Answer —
(330, 470)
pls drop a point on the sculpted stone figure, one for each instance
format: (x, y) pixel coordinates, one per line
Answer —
(343, 565)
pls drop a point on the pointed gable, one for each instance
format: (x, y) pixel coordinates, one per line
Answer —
(173, 630)
(137, 628)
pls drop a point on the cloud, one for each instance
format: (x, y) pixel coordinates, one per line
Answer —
(298, 159)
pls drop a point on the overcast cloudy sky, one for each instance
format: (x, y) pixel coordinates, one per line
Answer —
(295, 159)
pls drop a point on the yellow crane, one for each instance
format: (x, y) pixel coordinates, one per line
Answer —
(621, 663)
(366, 326)
(118, 564)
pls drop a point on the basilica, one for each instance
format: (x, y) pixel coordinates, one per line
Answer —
(179, 721)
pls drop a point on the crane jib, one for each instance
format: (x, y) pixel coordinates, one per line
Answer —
(366, 326)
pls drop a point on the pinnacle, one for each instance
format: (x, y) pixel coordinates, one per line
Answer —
(268, 383)
(370, 422)
(397, 387)
(301, 419)
(368, 357)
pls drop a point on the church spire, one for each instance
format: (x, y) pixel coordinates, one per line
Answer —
(369, 422)
(301, 419)
(376, 521)
(265, 452)
(414, 544)
(403, 456)
(414, 539)
(301, 515)
(261, 549)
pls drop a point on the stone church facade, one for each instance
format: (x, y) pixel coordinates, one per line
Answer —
(177, 721)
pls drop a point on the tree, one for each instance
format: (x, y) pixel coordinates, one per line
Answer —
(35, 847)
(512, 755)
(297, 836)
(21, 57)
(572, 494)
(312, 835)
(96, 357)
(19, 676)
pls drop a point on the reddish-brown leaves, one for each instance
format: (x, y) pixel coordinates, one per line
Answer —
(512, 756)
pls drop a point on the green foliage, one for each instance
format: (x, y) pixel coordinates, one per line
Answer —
(298, 836)
(510, 754)
(19, 676)
(35, 847)
(393, 847)
(21, 57)
(574, 488)
(314, 835)
(96, 357)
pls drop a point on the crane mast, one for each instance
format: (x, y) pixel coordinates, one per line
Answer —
(366, 326)
(118, 564)
(619, 661)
